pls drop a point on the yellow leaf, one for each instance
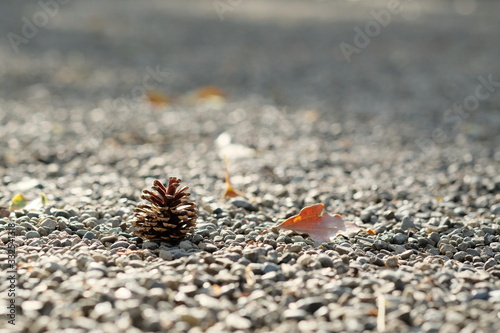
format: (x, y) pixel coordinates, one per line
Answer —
(18, 202)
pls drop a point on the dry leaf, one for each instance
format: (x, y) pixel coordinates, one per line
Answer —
(157, 98)
(321, 226)
(18, 202)
(210, 92)
(230, 192)
(38, 203)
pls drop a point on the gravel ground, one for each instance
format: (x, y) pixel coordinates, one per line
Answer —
(373, 140)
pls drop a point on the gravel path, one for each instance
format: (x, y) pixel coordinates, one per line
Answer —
(376, 140)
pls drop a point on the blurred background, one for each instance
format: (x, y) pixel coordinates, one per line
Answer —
(392, 62)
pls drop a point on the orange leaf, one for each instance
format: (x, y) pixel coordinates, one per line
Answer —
(320, 225)
(157, 98)
(210, 92)
(230, 192)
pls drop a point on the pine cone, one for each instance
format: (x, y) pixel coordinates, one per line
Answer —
(169, 216)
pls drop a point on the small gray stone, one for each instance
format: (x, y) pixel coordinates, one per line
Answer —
(480, 294)
(343, 249)
(407, 223)
(33, 214)
(109, 239)
(296, 248)
(244, 204)
(366, 215)
(115, 221)
(185, 245)
(49, 224)
(460, 256)
(166, 255)
(89, 235)
(379, 244)
(406, 254)
(310, 304)
(445, 248)
(42, 231)
(76, 226)
(62, 213)
(304, 260)
(210, 248)
(27, 226)
(91, 222)
(52, 267)
(459, 211)
(150, 246)
(400, 239)
(295, 314)
(434, 236)
(120, 244)
(238, 322)
(32, 234)
(391, 261)
(269, 267)
(488, 264)
(325, 260)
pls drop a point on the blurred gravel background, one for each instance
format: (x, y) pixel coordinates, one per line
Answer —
(373, 139)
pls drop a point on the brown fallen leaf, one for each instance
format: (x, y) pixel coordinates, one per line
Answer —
(210, 92)
(157, 98)
(321, 226)
(230, 192)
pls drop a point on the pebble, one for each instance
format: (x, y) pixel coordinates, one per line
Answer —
(238, 322)
(294, 314)
(400, 239)
(62, 213)
(244, 204)
(490, 263)
(52, 267)
(149, 245)
(49, 224)
(391, 261)
(32, 234)
(166, 255)
(120, 244)
(407, 223)
(269, 267)
(89, 235)
(325, 261)
(109, 239)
